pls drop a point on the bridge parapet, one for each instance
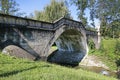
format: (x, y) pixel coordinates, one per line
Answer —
(14, 21)
(19, 22)
(95, 36)
(91, 33)
(68, 22)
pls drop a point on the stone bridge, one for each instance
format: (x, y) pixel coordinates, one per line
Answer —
(36, 38)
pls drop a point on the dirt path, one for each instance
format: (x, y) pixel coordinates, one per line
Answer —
(92, 60)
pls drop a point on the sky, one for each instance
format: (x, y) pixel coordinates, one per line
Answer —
(29, 6)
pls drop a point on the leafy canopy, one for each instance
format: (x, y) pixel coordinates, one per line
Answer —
(53, 11)
(106, 11)
(8, 7)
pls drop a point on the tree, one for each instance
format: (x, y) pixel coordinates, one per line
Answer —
(81, 7)
(106, 11)
(115, 29)
(53, 11)
(8, 7)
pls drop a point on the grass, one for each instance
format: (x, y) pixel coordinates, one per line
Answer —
(53, 48)
(12, 68)
(107, 52)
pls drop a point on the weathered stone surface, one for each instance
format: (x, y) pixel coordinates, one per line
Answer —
(71, 48)
(17, 52)
(37, 37)
(93, 61)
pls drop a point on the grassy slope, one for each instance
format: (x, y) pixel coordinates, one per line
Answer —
(107, 55)
(19, 69)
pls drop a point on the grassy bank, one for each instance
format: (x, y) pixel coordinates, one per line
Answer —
(107, 52)
(18, 69)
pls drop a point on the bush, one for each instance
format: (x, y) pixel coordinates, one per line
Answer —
(102, 48)
(117, 48)
(117, 62)
(91, 44)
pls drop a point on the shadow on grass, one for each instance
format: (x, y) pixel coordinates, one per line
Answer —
(18, 71)
(13, 62)
(6, 62)
(46, 66)
(15, 72)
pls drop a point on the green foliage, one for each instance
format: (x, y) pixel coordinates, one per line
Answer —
(53, 11)
(8, 7)
(18, 69)
(91, 44)
(107, 11)
(113, 31)
(109, 52)
(102, 49)
(109, 47)
(117, 62)
(81, 6)
(117, 48)
(90, 28)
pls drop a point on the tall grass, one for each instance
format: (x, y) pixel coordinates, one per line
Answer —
(107, 52)
(12, 68)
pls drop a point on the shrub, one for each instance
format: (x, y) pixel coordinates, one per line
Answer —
(91, 44)
(117, 48)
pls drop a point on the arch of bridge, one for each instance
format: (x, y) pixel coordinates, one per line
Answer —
(36, 37)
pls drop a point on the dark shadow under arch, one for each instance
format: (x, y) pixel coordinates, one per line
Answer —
(7, 43)
(70, 48)
(20, 52)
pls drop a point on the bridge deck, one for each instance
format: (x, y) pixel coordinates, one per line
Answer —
(20, 22)
(14, 21)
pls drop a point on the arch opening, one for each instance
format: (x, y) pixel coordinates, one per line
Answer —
(71, 48)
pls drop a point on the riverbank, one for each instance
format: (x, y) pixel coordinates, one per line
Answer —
(92, 60)
(12, 68)
(94, 63)
(108, 53)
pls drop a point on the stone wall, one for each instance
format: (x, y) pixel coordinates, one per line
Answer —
(37, 37)
(32, 40)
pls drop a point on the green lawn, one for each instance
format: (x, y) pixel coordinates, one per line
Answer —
(12, 68)
(107, 52)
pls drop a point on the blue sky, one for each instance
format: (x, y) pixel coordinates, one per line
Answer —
(29, 6)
